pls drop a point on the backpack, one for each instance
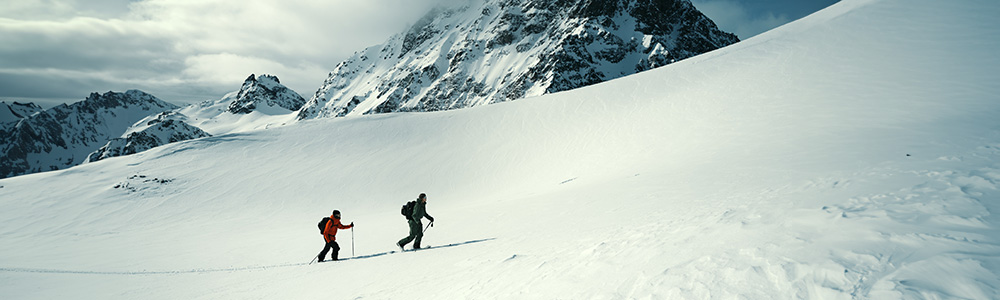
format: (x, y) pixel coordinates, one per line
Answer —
(322, 224)
(407, 209)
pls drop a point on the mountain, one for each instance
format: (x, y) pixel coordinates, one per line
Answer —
(15, 111)
(500, 50)
(260, 102)
(265, 93)
(63, 136)
(160, 131)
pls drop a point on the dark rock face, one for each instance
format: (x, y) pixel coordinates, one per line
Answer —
(159, 131)
(62, 136)
(265, 90)
(511, 49)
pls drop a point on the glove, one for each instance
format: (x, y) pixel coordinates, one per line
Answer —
(352, 224)
(432, 223)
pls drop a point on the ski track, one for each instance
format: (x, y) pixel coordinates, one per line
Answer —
(238, 269)
(53, 271)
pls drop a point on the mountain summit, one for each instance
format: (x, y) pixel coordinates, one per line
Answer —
(267, 91)
(501, 50)
(16, 111)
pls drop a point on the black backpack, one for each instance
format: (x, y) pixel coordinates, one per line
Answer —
(407, 209)
(322, 224)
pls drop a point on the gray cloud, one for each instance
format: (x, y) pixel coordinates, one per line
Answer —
(185, 50)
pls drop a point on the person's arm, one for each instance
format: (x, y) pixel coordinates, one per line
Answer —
(342, 226)
(429, 217)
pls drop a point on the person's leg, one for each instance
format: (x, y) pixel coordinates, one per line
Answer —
(322, 254)
(413, 234)
(336, 250)
(419, 235)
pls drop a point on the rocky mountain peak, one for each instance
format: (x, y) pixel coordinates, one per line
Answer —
(16, 111)
(265, 90)
(114, 99)
(502, 50)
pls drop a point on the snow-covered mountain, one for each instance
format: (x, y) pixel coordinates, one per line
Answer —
(262, 101)
(265, 93)
(63, 136)
(852, 154)
(16, 111)
(498, 50)
(160, 131)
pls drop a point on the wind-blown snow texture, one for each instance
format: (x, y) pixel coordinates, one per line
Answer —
(499, 50)
(853, 154)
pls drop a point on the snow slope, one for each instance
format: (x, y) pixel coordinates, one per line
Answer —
(853, 154)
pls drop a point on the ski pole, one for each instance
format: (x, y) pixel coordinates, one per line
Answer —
(428, 226)
(314, 259)
(352, 242)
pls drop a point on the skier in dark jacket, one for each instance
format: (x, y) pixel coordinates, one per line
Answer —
(330, 235)
(416, 227)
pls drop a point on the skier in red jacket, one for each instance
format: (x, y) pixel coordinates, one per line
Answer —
(330, 235)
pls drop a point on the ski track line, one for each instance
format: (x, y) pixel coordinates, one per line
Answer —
(55, 271)
(201, 271)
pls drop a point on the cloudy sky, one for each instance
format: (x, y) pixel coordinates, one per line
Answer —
(184, 51)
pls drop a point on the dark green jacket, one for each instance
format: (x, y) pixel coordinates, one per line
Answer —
(420, 211)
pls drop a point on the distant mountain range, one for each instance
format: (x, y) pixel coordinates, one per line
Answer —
(62, 136)
(477, 54)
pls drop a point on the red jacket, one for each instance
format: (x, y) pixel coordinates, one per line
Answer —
(330, 232)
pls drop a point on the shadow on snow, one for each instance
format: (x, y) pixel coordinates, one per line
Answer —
(421, 249)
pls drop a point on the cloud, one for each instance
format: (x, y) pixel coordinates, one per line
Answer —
(219, 69)
(195, 49)
(735, 17)
(79, 43)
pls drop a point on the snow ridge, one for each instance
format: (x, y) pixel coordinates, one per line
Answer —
(16, 111)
